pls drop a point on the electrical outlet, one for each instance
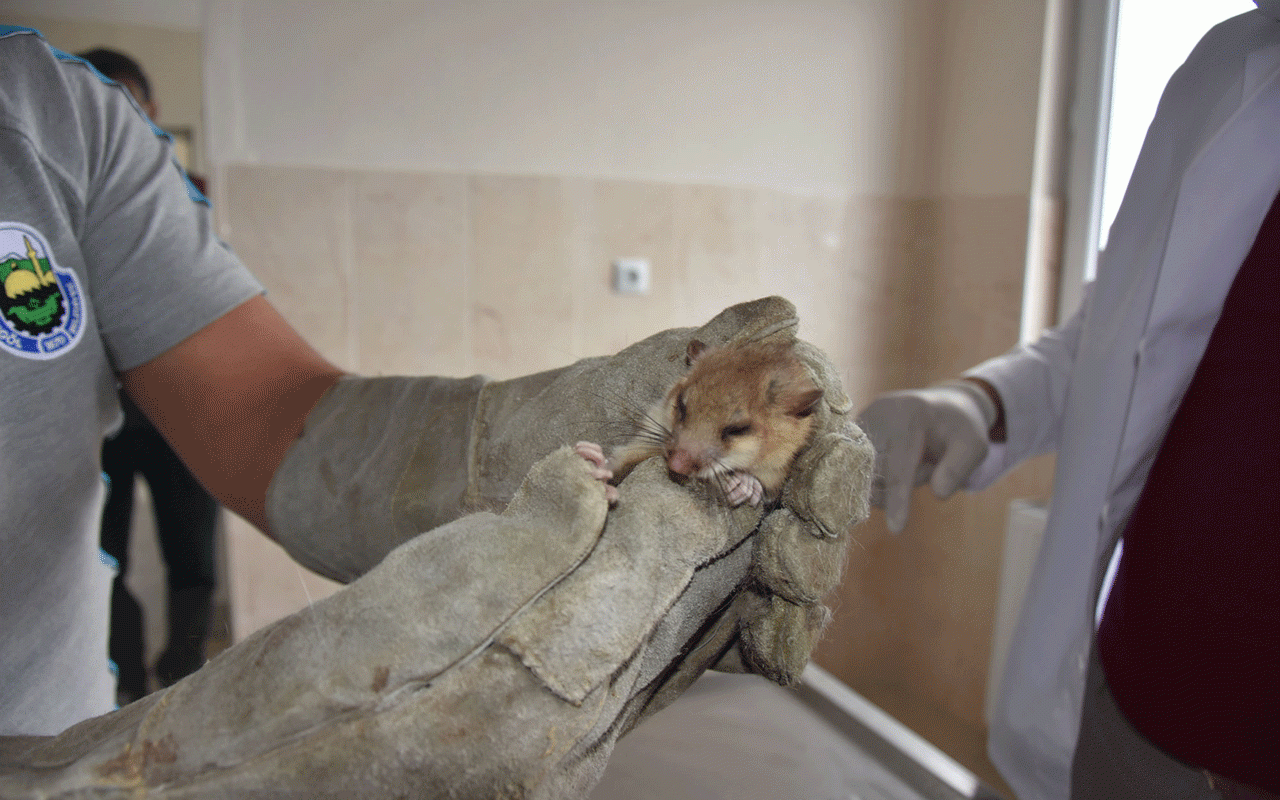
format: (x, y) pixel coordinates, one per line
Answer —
(631, 276)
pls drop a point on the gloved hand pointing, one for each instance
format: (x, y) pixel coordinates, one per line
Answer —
(937, 435)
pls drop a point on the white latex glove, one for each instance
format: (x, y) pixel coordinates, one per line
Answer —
(937, 435)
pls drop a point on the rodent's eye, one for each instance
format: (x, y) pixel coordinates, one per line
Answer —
(734, 430)
(681, 411)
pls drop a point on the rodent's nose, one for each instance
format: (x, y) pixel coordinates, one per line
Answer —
(681, 462)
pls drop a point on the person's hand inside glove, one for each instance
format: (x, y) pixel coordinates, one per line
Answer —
(498, 655)
(938, 435)
(439, 448)
(382, 459)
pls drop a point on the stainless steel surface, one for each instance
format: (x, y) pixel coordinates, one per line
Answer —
(738, 737)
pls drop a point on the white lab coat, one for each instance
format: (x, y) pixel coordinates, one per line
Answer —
(1102, 388)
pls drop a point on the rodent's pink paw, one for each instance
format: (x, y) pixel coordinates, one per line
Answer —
(593, 454)
(743, 487)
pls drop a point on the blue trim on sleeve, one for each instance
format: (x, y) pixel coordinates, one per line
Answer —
(63, 55)
(70, 59)
(108, 560)
(10, 30)
(195, 194)
(192, 192)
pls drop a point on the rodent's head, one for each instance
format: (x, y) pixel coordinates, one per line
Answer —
(743, 407)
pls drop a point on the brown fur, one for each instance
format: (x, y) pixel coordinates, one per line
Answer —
(741, 408)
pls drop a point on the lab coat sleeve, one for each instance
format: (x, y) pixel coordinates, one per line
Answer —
(1032, 382)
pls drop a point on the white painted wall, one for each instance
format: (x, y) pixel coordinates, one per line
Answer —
(886, 97)
(796, 95)
(986, 101)
(883, 97)
(184, 15)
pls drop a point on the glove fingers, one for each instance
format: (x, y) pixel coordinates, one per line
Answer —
(575, 637)
(903, 457)
(777, 636)
(795, 564)
(824, 375)
(960, 459)
(832, 477)
(752, 321)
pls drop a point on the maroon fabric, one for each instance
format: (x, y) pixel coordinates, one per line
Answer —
(1190, 638)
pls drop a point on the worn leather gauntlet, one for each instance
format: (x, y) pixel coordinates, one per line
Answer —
(497, 654)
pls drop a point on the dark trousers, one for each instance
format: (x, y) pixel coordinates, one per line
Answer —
(186, 518)
(1113, 760)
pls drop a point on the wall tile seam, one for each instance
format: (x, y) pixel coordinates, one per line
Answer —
(594, 178)
(941, 198)
(349, 284)
(468, 273)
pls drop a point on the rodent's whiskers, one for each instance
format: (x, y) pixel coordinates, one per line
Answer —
(720, 473)
(640, 422)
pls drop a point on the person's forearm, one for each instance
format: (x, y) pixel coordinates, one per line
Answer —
(240, 479)
(232, 398)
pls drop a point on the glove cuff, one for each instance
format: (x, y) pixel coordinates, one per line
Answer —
(985, 405)
(379, 461)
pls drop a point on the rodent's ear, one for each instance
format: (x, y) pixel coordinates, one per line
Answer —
(696, 348)
(803, 404)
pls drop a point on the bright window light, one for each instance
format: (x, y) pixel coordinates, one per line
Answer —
(1153, 38)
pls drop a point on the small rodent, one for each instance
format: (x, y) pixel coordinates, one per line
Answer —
(736, 419)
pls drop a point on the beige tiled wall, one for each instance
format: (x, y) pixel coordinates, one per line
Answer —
(415, 273)
(428, 273)
(914, 614)
(502, 275)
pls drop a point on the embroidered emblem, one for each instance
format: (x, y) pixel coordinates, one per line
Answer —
(41, 305)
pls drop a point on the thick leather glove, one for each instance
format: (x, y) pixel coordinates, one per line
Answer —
(500, 655)
(937, 435)
(382, 459)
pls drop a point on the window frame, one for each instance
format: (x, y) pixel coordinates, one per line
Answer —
(1089, 123)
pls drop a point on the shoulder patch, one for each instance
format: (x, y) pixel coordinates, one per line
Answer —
(42, 312)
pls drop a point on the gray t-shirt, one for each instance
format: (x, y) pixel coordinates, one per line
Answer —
(108, 258)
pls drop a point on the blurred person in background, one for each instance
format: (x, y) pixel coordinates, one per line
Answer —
(186, 515)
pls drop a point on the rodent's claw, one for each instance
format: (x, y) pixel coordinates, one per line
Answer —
(743, 487)
(594, 455)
